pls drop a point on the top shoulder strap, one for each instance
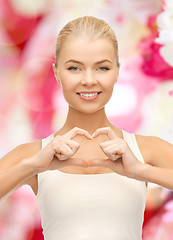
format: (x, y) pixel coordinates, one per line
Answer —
(47, 140)
(130, 138)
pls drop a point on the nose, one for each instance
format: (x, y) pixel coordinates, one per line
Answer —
(88, 78)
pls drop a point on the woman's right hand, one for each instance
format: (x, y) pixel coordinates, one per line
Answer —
(58, 152)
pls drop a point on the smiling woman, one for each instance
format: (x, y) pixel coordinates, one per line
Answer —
(87, 66)
(100, 191)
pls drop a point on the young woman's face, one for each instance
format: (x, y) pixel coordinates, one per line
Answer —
(87, 66)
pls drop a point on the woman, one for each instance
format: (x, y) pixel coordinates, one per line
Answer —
(90, 178)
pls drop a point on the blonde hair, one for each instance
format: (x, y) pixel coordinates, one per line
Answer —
(93, 27)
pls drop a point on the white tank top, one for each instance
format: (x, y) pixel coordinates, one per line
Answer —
(105, 206)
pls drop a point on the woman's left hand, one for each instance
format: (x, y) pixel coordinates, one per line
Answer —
(120, 157)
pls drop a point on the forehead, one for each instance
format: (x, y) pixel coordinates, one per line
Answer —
(83, 48)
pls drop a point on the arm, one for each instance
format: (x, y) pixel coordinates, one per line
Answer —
(159, 161)
(15, 168)
(158, 175)
(12, 178)
(19, 166)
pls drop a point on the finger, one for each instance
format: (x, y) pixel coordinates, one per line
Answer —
(73, 132)
(75, 162)
(116, 166)
(114, 142)
(99, 162)
(112, 152)
(68, 162)
(72, 144)
(60, 147)
(64, 153)
(107, 130)
(106, 143)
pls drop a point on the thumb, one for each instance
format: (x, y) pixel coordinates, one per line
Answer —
(99, 162)
(74, 162)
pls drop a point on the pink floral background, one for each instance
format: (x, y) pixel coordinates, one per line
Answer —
(32, 105)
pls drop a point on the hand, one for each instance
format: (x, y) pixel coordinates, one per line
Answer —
(58, 153)
(120, 157)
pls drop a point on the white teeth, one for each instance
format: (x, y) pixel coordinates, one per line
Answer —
(88, 95)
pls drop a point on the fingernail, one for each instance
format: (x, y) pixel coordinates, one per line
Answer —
(93, 135)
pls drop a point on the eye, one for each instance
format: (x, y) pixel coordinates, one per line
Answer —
(73, 68)
(104, 68)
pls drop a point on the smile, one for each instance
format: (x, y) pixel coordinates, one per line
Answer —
(89, 96)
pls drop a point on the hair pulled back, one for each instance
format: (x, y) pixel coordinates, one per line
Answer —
(90, 26)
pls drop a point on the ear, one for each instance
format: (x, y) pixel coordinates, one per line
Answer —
(55, 73)
(117, 73)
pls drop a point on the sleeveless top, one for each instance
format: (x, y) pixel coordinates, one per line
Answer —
(105, 206)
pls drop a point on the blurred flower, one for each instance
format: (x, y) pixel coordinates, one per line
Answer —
(168, 4)
(165, 24)
(154, 63)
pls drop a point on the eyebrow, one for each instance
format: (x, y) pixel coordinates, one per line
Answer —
(75, 61)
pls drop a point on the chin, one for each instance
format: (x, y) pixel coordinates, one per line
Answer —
(89, 110)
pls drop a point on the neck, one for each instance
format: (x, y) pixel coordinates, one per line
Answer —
(88, 121)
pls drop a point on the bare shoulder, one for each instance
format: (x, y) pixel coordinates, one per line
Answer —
(17, 154)
(143, 144)
(31, 149)
(21, 151)
(155, 150)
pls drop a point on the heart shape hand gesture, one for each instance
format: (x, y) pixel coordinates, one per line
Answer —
(120, 157)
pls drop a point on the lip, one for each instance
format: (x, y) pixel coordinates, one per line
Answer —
(89, 98)
(90, 92)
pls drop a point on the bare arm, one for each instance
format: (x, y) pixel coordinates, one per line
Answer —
(159, 166)
(158, 175)
(19, 165)
(13, 178)
(15, 170)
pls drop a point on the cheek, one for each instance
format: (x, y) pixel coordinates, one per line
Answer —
(68, 86)
(67, 81)
(108, 82)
